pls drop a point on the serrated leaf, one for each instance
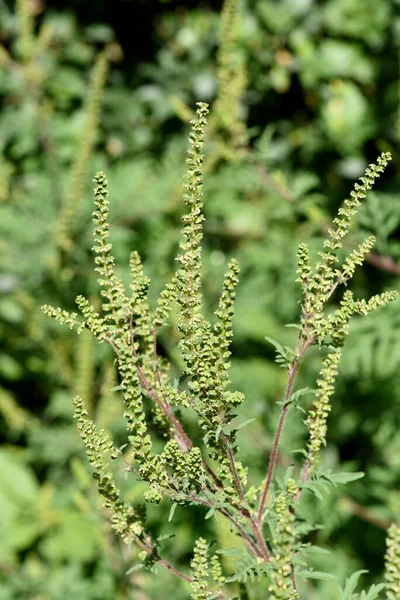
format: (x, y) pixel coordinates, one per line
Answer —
(301, 392)
(299, 451)
(314, 490)
(289, 350)
(246, 565)
(373, 592)
(279, 348)
(351, 584)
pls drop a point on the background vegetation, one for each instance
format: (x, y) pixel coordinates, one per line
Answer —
(88, 86)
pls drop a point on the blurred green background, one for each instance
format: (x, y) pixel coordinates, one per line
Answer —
(315, 88)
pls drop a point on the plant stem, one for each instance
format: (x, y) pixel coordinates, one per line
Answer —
(272, 462)
(181, 575)
(232, 466)
(260, 539)
(242, 532)
(294, 579)
(293, 368)
(186, 444)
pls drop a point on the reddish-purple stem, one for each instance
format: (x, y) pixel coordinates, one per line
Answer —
(274, 454)
(185, 443)
(164, 563)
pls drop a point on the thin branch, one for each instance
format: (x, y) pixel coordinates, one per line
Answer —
(294, 579)
(113, 345)
(181, 575)
(286, 404)
(184, 441)
(385, 263)
(189, 444)
(255, 528)
(242, 532)
(232, 466)
(272, 460)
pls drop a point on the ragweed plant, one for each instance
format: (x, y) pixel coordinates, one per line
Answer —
(393, 562)
(231, 75)
(208, 474)
(227, 130)
(65, 225)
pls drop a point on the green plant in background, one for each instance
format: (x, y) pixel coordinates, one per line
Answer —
(30, 97)
(210, 475)
(227, 118)
(82, 157)
(261, 204)
(46, 149)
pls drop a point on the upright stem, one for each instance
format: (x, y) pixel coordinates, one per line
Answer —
(272, 463)
(186, 444)
(274, 454)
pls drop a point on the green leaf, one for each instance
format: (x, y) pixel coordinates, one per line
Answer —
(351, 584)
(218, 432)
(246, 566)
(116, 388)
(314, 488)
(373, 592)
(165, 536)
(302, 392)
(172, 511)
(284, 353)
(134, 568)
(315, 575)
(316, 550)
(210, 513)
(342, 478)
(18, 482)
(279, 348)
(244, 424)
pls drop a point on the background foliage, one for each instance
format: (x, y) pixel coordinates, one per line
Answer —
(320, 101)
